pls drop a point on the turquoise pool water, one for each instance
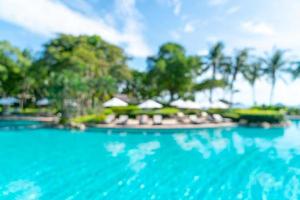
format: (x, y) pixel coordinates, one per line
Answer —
(231, 163)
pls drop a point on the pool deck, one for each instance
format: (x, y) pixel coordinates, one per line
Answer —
(30, 118)
(167, 125)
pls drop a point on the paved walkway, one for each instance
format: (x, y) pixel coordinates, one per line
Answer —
(30, 118)
(169, 126)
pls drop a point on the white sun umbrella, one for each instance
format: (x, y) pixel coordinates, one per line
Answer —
(178, 103)
(7, 101)
(219, 104)
(189, 104)
(150, 104)
(43, 102)
(204, 104)
(115, 102)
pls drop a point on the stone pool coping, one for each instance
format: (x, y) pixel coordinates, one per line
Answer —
(167, 126)
(51, 119)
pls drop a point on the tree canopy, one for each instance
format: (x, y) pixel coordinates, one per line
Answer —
(174, 71)
(84, 69)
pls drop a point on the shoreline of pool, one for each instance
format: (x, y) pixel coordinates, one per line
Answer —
(47, 119)
(52, 121)
(166, 126)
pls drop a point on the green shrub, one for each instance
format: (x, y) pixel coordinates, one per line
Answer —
(143, 112)
(167, 112)
(252, 115)
(37, 111)
(191, 111)
(257, 116)
(128, 110)
(293, 111)
(231, 115)
(219, 111)
(107, 111)
(95, 118)
(267, 107)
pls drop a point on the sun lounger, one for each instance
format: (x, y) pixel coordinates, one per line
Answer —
(217, 118)
(195, 120)
(181, 117)
(109, 119)
(122, 120)
(144, 119)
(204, 114)
(157, 119)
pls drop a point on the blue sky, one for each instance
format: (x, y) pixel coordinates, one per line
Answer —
(140, 26)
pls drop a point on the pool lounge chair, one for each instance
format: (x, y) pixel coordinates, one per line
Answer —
(195, 120)
(217, 118)
(181, 118)
(204, 114)
(122, 120)
(109, 119)
(157, 119)
(144, 119)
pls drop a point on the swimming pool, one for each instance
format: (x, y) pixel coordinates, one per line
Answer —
(230, 163)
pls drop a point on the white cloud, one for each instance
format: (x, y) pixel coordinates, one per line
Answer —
(176, 6)
(48, 17)
(202, 52)
(132, 27)
(216, 2)
(175, 35)
(260, 28)
(233, 10)
(189, 28)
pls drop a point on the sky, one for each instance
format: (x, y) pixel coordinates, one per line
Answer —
(141, 26)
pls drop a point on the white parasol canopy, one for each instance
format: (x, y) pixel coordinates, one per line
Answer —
(43, 102)
(191, 105)
(178, 103)
(150, 104)
(186, 104)
(219, 104)
(7, 101)
(115, 102)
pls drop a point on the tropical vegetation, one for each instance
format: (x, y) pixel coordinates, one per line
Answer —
(78, 73)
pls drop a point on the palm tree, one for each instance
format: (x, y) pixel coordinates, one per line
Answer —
(295, 72)
(252, 73)
(275, 64)
(240, 61)
(216, 59)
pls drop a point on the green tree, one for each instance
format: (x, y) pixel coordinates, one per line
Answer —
(84, 69)
(217, 62)
(173, 71)
(140, 87)
(15, 64)
(209, 84)
(239, 63)
(274, 66)
(252, 73)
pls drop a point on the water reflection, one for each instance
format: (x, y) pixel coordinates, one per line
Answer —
(188, 143)
(115, 148)
(21, 189)
(137, 155)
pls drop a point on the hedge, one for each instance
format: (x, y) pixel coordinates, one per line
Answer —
(165, 112)
(127, 110)
(95, 118)
(255, 115)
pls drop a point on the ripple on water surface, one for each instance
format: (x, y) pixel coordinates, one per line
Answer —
(230, 163)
